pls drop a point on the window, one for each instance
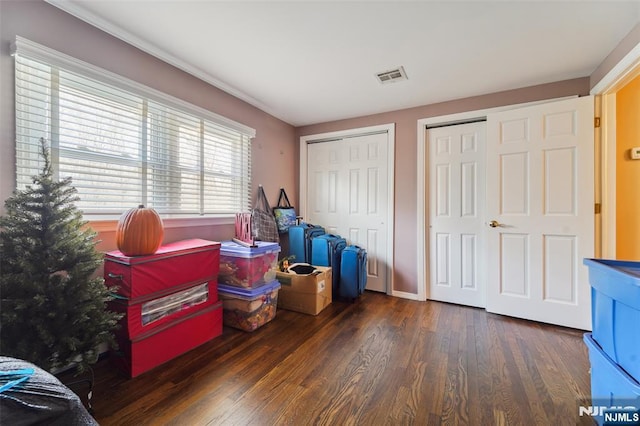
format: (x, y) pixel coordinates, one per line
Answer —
(124, 144)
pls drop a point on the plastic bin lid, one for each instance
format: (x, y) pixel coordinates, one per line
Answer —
(620, 266)
(248, 293)
(618, 279)
(231, 248)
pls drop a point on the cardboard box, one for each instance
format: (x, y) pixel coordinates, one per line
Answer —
(308, 294)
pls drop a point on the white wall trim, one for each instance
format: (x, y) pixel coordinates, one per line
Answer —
(391, 132)
(624, 71)
(422, 255)
(405, 295)
(608, 176)
(422, 208)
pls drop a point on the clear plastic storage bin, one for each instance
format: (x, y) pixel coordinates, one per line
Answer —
(248, 309)
(248, 267)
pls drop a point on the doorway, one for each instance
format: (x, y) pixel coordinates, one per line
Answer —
(611, 153)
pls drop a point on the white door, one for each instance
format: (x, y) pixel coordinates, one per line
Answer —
(540, 193)
(347, 182)
(457, 197)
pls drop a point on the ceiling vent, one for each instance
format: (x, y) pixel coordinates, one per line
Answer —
(392, 76)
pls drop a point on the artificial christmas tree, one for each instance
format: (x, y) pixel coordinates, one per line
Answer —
(53, 307)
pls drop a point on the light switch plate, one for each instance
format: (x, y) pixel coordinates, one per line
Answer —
(635, 153)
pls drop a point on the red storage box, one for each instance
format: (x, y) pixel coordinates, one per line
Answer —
(148, 350)
(148, 313)
(172, 265)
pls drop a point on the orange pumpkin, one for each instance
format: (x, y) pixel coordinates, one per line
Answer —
(139, 232)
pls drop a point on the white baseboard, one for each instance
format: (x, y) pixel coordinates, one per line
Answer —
(405, 295)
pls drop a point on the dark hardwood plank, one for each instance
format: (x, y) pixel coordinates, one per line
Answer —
(379, 361)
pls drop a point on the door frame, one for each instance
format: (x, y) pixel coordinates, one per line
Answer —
(390, 155)
(605, 90)
(422, 197)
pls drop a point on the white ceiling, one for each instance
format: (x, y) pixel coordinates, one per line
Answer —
(314, 61)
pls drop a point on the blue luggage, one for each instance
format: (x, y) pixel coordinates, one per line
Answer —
(300, 237)
(326, 250)
(353, 272)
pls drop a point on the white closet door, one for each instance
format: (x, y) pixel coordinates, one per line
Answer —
(540, 193)
(456, 199)
(347, 182)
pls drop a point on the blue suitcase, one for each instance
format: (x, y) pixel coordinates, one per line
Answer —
(300, 237)
(353, 272)
(326, 250)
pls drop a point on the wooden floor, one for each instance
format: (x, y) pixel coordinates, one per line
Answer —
(380, 361)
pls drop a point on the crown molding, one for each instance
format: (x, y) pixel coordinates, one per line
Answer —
(102, 24)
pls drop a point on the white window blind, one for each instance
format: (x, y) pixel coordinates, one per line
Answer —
(125, 144)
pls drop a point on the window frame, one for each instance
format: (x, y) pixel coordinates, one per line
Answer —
(37, 52)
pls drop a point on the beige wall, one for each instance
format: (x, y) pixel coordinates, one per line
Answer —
(628, 172)
(405, 269)
(276, 150)
(274, 156)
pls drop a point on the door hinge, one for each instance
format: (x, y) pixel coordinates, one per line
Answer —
(596, 122)
(598, 208)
